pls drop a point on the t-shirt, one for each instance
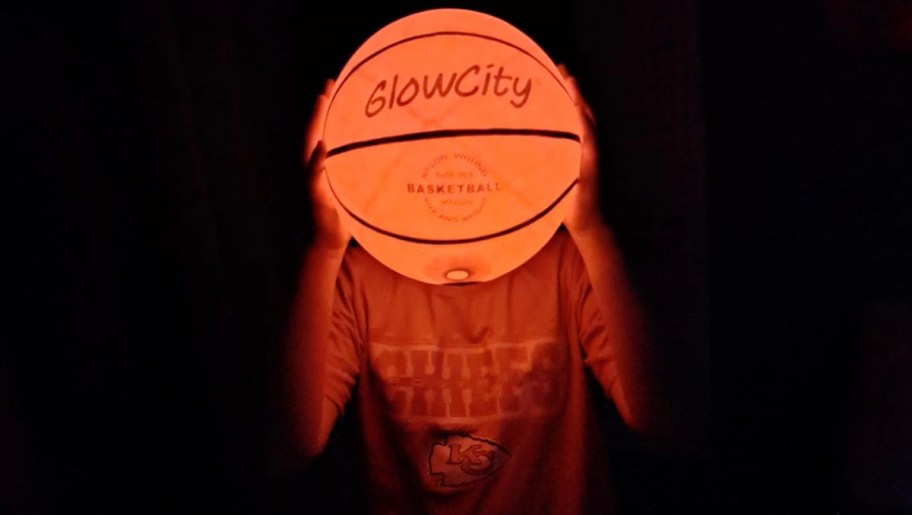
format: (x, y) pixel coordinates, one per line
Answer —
(474, 399)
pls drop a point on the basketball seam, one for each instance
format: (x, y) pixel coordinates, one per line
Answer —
(450, 133)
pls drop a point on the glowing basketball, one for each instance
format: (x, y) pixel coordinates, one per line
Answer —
(452, 144)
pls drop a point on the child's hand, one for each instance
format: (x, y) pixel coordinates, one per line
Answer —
(329, 231)
(584, 213)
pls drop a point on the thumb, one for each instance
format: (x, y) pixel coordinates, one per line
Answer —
(317, 162)
(314, 130)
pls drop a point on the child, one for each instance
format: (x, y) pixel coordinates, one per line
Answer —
(473, 397)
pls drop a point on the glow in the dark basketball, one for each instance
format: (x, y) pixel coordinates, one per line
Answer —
(452, 144)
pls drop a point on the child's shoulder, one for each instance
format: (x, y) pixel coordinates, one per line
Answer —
(357, 258)
(559, 248)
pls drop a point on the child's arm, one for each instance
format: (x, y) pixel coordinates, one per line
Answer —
(312, 415)
(635, 389)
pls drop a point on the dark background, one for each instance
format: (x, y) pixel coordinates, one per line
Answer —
(756, 165)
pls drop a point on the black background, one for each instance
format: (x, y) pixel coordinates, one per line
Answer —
(755, 164)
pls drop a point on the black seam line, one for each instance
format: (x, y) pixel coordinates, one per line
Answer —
(451, 133)
(443, 33)
(463, 240)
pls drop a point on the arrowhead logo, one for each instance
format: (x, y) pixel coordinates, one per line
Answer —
(462, 459)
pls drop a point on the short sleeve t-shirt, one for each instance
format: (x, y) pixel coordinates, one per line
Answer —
(474, 399)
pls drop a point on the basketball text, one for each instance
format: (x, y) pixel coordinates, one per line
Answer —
(402, 91)
(440, 189)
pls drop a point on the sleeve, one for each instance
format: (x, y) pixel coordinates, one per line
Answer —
(343, 356)
(593, 333)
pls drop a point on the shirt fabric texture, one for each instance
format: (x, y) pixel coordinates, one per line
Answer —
(475, 399)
